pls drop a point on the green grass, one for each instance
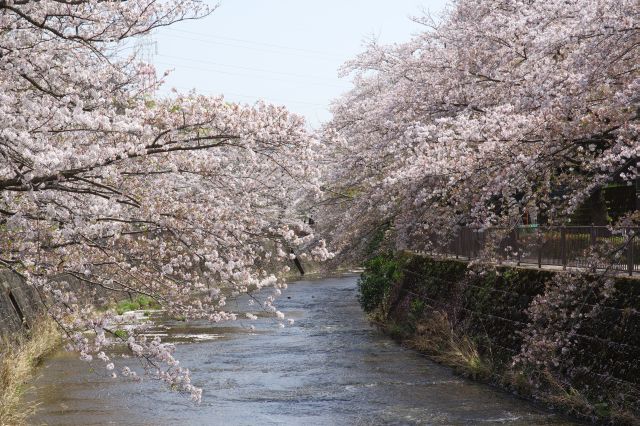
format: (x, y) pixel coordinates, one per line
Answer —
(122, 334)
(140, 302)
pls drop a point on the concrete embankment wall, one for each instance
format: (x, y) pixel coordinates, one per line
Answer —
(19, 304)
(542, 335)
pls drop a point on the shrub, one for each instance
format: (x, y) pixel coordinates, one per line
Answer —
(376, 281)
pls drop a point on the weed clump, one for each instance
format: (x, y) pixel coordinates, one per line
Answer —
(436, 337)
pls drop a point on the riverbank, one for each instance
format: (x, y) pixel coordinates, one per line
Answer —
(567, 341)
(19, 357)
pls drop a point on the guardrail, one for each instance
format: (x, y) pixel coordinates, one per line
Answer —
(565, 246)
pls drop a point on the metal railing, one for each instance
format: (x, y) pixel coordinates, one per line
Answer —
(562, 246)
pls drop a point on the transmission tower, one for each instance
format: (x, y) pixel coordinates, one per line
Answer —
(147, 48)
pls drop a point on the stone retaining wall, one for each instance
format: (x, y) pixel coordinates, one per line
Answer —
(598, 367)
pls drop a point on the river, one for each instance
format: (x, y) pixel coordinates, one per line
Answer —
(330, 367)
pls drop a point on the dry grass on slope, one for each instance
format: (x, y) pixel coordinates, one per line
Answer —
(18, 359)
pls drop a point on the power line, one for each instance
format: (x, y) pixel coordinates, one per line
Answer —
(301, 55)
(277, 46)
(247, 68)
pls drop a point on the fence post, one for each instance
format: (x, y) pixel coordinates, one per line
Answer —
(540, 243)
(563, 246)
(630, 262)
(500, 254)
(515, 245)
(476, 244)
(592, 240)
(471, 243)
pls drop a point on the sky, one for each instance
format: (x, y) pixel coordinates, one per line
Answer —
(286, 52)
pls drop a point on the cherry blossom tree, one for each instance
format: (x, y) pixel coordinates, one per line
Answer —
(498, 109)
(107, 189)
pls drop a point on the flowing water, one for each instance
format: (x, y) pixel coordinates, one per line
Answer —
(330, 367)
